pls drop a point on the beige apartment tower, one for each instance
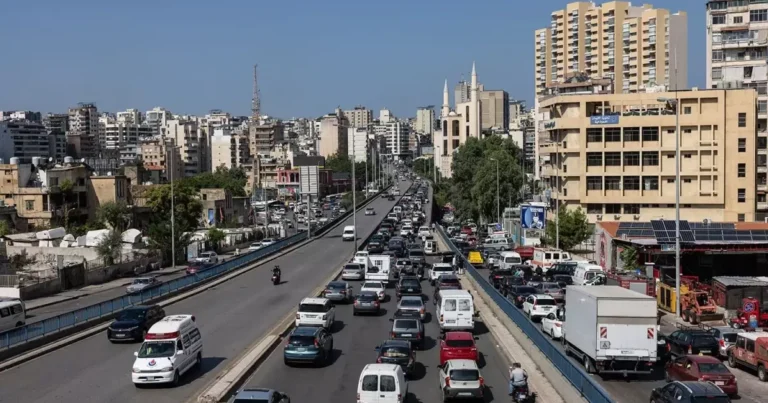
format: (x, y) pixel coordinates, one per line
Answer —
(613, 155)
(636, 46)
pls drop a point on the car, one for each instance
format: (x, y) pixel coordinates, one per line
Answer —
(374, 247)
(413, 303)
(377, 287)
(538, 306)
(458, 345)
(348, 233)
(370, 211)
(207, 257)
(749, 351)
(307, 344)
(508, 282)
(322, 220)
(316, 312)
(408, 329)
(172, 347)
(439, 269)
(134, 322)
(397, 352)
(496, 277)
(352, 271)
(701, 368)
(256, 246)
(195, 267)
(461, 379)
(366, 302)
(692, 340)
(339, 291)
(726, 337)
(552, 289)
(424, 232)
(254, 395)
(552, 324)
(519, 293)
(408, 285)
(140, 284)
(689, 392)
(417, 256)
(446, 282)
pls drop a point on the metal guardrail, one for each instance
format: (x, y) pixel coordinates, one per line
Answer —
(33, 331)
(587, 386)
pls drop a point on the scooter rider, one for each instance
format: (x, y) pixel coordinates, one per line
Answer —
(517, 378)
(276, 271)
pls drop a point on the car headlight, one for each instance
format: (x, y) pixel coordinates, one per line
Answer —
(167, 369)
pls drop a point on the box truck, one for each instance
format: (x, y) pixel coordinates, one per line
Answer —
(377, 267)
(610, 329)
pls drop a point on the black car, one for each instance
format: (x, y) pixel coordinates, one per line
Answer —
(406, 314)
(375, 247)
(496, 277)
(408, 285)
(411, 330)
(689, 392)
(692, 341)
(519, 293)
(563, 279)
(445, 282)
(397, 352)
(133, 323)
(508, 282)
(366, 302)
(417, 257)
(561, 268)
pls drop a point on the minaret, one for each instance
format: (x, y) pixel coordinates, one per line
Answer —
(475, 128)
(446, 102)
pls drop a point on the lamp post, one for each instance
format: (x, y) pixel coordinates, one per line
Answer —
(498, 192)
(674, 103)
(354, 193)
(173, 211)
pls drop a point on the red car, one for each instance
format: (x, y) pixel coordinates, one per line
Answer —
(702, 368)
(195, 267)
(466, 230)
(458, 345)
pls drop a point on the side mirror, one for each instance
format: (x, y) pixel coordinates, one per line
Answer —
(477, 338)
(180, 352)
(135, 353)
(391, 319)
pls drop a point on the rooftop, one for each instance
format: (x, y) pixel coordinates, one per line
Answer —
(661, 232)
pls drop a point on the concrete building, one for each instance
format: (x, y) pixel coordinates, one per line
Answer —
(229, 150)
(26, 140)
(333, 135)
(122, 132)
(357, 144)
(494, 109)
(613, 155)
(156, 119)
(359, 117)
(192, 144)
(636, 46)
(386, 116)
(158, 155)
(30, 116)
(130, 116)
(264, 135)
(425, 121)
(737, 49)
(83, 134)
(397, 135)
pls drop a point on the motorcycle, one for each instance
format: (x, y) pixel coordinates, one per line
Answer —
(275, 279)
(522, 394)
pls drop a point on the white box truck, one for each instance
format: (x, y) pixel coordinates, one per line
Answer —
(610, 329)
(377, 267)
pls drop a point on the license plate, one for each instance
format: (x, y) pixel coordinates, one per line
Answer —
(310, 316)
(465, 393)
(367, 304)
(301, 349)
(450, 321)
(705, 351)
(410, 290)
(406, 335)
(719, 383)
(120, 335)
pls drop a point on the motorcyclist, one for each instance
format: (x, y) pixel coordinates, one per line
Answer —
(518, 378)
(276, 271)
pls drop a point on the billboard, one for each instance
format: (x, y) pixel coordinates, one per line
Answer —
(604, 120)
(532, 217)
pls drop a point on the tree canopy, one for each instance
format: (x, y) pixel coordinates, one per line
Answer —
(343, 163)
(188, 212)
(231, 179)
(574, 229)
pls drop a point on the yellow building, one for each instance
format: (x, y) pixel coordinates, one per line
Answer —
(614, 154)
(637, 46)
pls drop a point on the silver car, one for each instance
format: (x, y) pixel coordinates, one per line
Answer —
(140, 284)
(726, 337)
(339, 291)
(413, 303)
(352, 271)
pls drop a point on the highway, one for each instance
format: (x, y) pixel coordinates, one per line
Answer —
(231, 316)
(355, 338)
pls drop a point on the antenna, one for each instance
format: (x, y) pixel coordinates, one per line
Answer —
(255, 102)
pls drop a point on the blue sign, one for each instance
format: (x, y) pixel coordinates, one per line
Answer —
(532, 217)
(604, 120)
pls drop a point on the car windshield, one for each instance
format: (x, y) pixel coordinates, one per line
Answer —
(301, 341)
(713, 368)
(513, 260)
(449, 281)
(337, 286)
(459, 343)
(526, 290)
(465, 375)
(395, 352)
(352, 267)
(409, 283)
(406, 324)
(313, 308)
(411, 302)
(250, 401)
(373, 285)
(156, 349)
(416, 253)
(703, 341)
(141, 281)
(442, 268)
(132, 314)
(711, 399)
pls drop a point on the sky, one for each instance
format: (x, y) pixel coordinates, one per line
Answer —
(191, 56)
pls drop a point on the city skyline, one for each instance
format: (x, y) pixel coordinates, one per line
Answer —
(130, 68)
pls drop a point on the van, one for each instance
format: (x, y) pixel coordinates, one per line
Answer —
(545, 258)
(509, 259)
(498, 244)
(430, 247)
(382, 383)
(585, 273)
(171, 347)
(13, 313)
(348, 234)
(456, 310)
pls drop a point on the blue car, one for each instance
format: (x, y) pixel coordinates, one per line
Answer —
(308, 345)
(260, 395)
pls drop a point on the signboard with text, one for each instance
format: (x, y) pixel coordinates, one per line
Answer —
(604, 120)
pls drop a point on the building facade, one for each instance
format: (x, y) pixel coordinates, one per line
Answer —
(229, 150)
(613, 155)
(360, 117)
(333, 135)
(357, 143)
(494, 109)
(637, 46)
(425, 121)
(83, 134)
(26, 140)
(264, 135)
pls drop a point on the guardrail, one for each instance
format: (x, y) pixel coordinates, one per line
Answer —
(587, 386)
(98, 312)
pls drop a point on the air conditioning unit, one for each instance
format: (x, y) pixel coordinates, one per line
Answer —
(637, 216)
(600, 217)
(624, 236)
(617, 216)
(707, 221)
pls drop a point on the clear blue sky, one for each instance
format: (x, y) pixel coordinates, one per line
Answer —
(192, 56)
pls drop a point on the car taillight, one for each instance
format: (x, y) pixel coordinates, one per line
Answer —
(669, 347)
(418, 336)
(298, 316)
(704, 378)
(732, 381)
(482, 381)
(441, 318)
(392, 335)
(447, 382)
(378, 360)
(690, 350)
(722, 343)
(558, 324)
(357, 303)
(421, 311)
(399, 397)
(317, 344)
(322, 317)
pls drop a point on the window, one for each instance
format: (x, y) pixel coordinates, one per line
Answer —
(650, 183)
(686, 110)
(631, 183)
(762, 107)
(594, 208)
(738, 19)
(613, 159)
(742, 145)
(717, 73)
(4, 312)
(631, 209)
(650, 134)
(632, 159)
(387, 383)
(371, 383)
(450, 305)
(758, 15)
(594, 183)
(613, 209)
(718, 19)
(650, 158)
(717, 56)
(464, 305)
(594, 135)
(612, 135)
(742, 170)
(742, 217)
(16, 309)
(743, 117)
(612, 183)
(29, 204)
(631, 134)
(594, 159)
(742, 195)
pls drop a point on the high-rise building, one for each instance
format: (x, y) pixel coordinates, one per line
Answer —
(83, 134)
(638, 47)
(130, 116)
(333, 135)
(264, 135)
(357, 143)
(737, 48)
(359, 117)
(25, 140)
(425, 120)
(613, 155)
(228, 149)
(156, 119)
(494, 109)
(29, 116)
(398, 139)
(191, 142)
(386, 116)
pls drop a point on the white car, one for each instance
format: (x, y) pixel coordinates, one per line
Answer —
(370, 211)
(406, 230)
(207, 257)
(140, 284)
(538, 306)
(316, 312)
(267, 242)
(375, 286)
(342, 210)
(323, 220)
(461, 379)
(552, 325)
(256, 246)
(424, 232)
(348, 234)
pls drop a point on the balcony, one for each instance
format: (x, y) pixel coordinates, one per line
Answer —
(762, 187)
(762, 206)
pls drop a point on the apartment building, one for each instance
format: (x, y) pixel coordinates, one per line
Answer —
(160, 156)
(636, 46)
(360, 117)
(83, 134)
(191, 142)
(425, 120)
(494, 109)
(26, 140)
(357, 143)
(156, 119)
(229, 150)
(333, 135)
(737, 51)
(397, 135)
(264, 135)
(122, 132)
(613, 155)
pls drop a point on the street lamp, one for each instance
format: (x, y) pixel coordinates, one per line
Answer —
(498, 192)
(673, 103)
(354, 193)
(173, 210)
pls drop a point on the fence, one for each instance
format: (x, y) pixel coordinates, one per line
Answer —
(66, 321)
(590, 389)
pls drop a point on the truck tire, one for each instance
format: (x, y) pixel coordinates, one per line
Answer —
(762, 375)
(732, 361)
(694, 318)
(684, 315)
(588, 367)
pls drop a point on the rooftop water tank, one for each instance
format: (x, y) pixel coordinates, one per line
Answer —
(36, 161)
(14, 160)
(2, 161)
(68, 160)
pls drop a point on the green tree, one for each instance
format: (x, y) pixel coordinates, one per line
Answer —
(574, 229)
(630, 257)
(5, 228)
(231, 179)
(116, 214)
(187, 215)
(110, 248)
(216, 237)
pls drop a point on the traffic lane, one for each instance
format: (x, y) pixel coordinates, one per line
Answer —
(231, 316)
(354, 342)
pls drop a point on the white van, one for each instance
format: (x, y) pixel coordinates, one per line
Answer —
(13, 313)
(430, 247)
(508, 259)
(382, 383)
(172, 347)
(545, 258)
(585, 273)
(348, 234)
(316, 312)
(456, 310)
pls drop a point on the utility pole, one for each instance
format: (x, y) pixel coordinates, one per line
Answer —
(354, 193)
(557, 200)
(173, 213)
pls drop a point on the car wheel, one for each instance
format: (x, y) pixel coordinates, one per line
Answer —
(175, 380)
(762, 375)
(139, 385)
(731, 361)
(667, 378)
(199, 361)
(552, 333)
